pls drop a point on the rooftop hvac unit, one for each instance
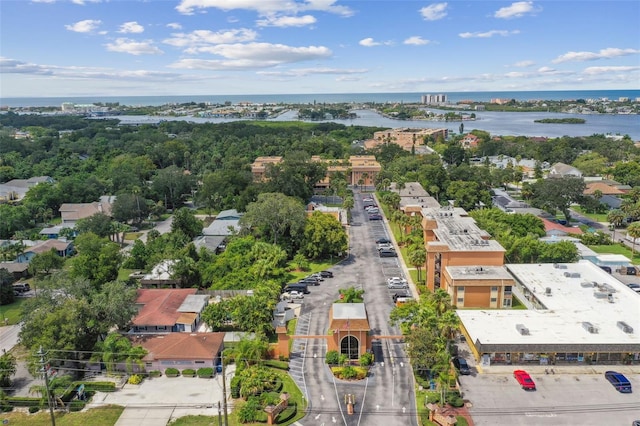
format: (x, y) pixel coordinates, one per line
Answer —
(625, 327)
(586, 284)
(547, 291)
(575, 275)
(600, 294)
(522, 329)
(590, 327)
(610, 298)
(608, 288)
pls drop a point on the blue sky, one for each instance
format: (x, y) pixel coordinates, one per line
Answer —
(227, 47)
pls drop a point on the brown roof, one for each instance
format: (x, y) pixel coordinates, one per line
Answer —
(604, 188)
(186, 318)
(187, 346)
(349, 325)
(45, 246)
(75, 211)
(549, 226)
(160, 306)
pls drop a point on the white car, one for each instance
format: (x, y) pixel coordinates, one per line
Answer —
(291, 295)
(396, 280)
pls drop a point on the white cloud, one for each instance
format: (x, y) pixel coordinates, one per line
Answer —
(606, 70)
(252, 55)
(174, 26)
(132, 47)
(434, 11)
(516, 10)
(199, 38)
(489, 34)
(524, 64)
(416, 41)
(302, 72)
(287, 21)
(86, 26)
(608, 53)
(83, 2)
(265, 7)
(368, 42)
(131, 27)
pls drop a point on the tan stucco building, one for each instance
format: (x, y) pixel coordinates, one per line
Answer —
(405, 137)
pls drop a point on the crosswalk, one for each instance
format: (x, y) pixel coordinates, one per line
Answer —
(298, 352)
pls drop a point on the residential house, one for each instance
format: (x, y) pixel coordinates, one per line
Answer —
(16, 189)
(557, 229)
(168, 310)
(408, 139)
(226, 223)
(71, 213)
(563, 170)
(470, 141)
(17, 270)
(181, 350)
(602, 187)
(63, 249)
(161, 276)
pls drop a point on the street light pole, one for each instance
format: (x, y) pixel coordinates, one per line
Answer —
(224, 391)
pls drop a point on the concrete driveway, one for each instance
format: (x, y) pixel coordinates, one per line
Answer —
(159, 400)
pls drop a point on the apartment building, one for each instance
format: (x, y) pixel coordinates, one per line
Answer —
(405, 137)
(358, 169)
(452, 239)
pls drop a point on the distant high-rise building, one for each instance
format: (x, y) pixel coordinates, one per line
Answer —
(434, 99)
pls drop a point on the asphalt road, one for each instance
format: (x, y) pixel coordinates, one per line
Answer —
(386, 397)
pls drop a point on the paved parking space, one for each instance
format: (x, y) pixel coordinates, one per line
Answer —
(560, 399)
(156, 401)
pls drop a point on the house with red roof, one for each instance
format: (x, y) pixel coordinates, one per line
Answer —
(556, 229)
(181, 350)
(168, 310)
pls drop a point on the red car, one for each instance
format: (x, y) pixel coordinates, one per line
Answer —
(524, 379)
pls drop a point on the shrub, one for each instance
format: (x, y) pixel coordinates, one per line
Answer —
(155, 373)
(366, 359)
(269, 398)
(349, 372)
(456, 401)
(433, 397)
(332, 357)
(6, 408)
(189, 372)
(23, 401)
(205, 372)
(135, 379)
(171, 372)
(343, 359)
(287, 414)
(235, 385)
(248, 411)
(34, 409)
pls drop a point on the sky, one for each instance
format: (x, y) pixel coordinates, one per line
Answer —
(52, 48)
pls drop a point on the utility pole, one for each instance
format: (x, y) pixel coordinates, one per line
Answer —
(224, 391)
(46, 385)
(219, 415)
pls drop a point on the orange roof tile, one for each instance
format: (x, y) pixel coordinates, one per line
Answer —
(160, 306)
(187, 346)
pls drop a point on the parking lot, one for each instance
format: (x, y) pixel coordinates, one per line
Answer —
(571, 396)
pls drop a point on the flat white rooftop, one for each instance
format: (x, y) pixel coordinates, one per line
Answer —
(349, 311)
(570, 300)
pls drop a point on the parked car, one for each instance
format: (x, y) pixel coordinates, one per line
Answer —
(396, 280)
(317, 275)
(524, 379)
(301, 287)
(388, 253)
(291, 295)
(375, 217)
(635, 287)
(606, 269)
(310, 281)
(21, 287)
(461, 365)
(370, 206)
(400, 294)
(387, 246)
(374, 210)
(383, 241)
(395, 285)
(326, 274)
(619, 381)
(367, 200)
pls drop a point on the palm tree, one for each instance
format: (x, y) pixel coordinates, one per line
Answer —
(417, 257)
(633, 231)
(615, 218)
(351, 295)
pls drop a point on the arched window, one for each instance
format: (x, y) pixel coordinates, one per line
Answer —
(350, 346)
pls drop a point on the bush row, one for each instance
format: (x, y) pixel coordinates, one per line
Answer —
(205, 372)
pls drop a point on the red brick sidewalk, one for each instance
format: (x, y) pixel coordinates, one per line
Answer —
(461, 411)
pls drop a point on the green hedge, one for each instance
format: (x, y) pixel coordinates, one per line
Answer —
(6, 408)
(76, 405)
(287, 414)
(155, 373)
(189, 372)
(236, 384)
(280, 365)
(97, 386)
(171, 372)
(23, 401)
(205, 372)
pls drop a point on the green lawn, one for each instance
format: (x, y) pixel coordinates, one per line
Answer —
(598, 217)
(516, 303)
(617, 249)
(12, 311)
(104, 416)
